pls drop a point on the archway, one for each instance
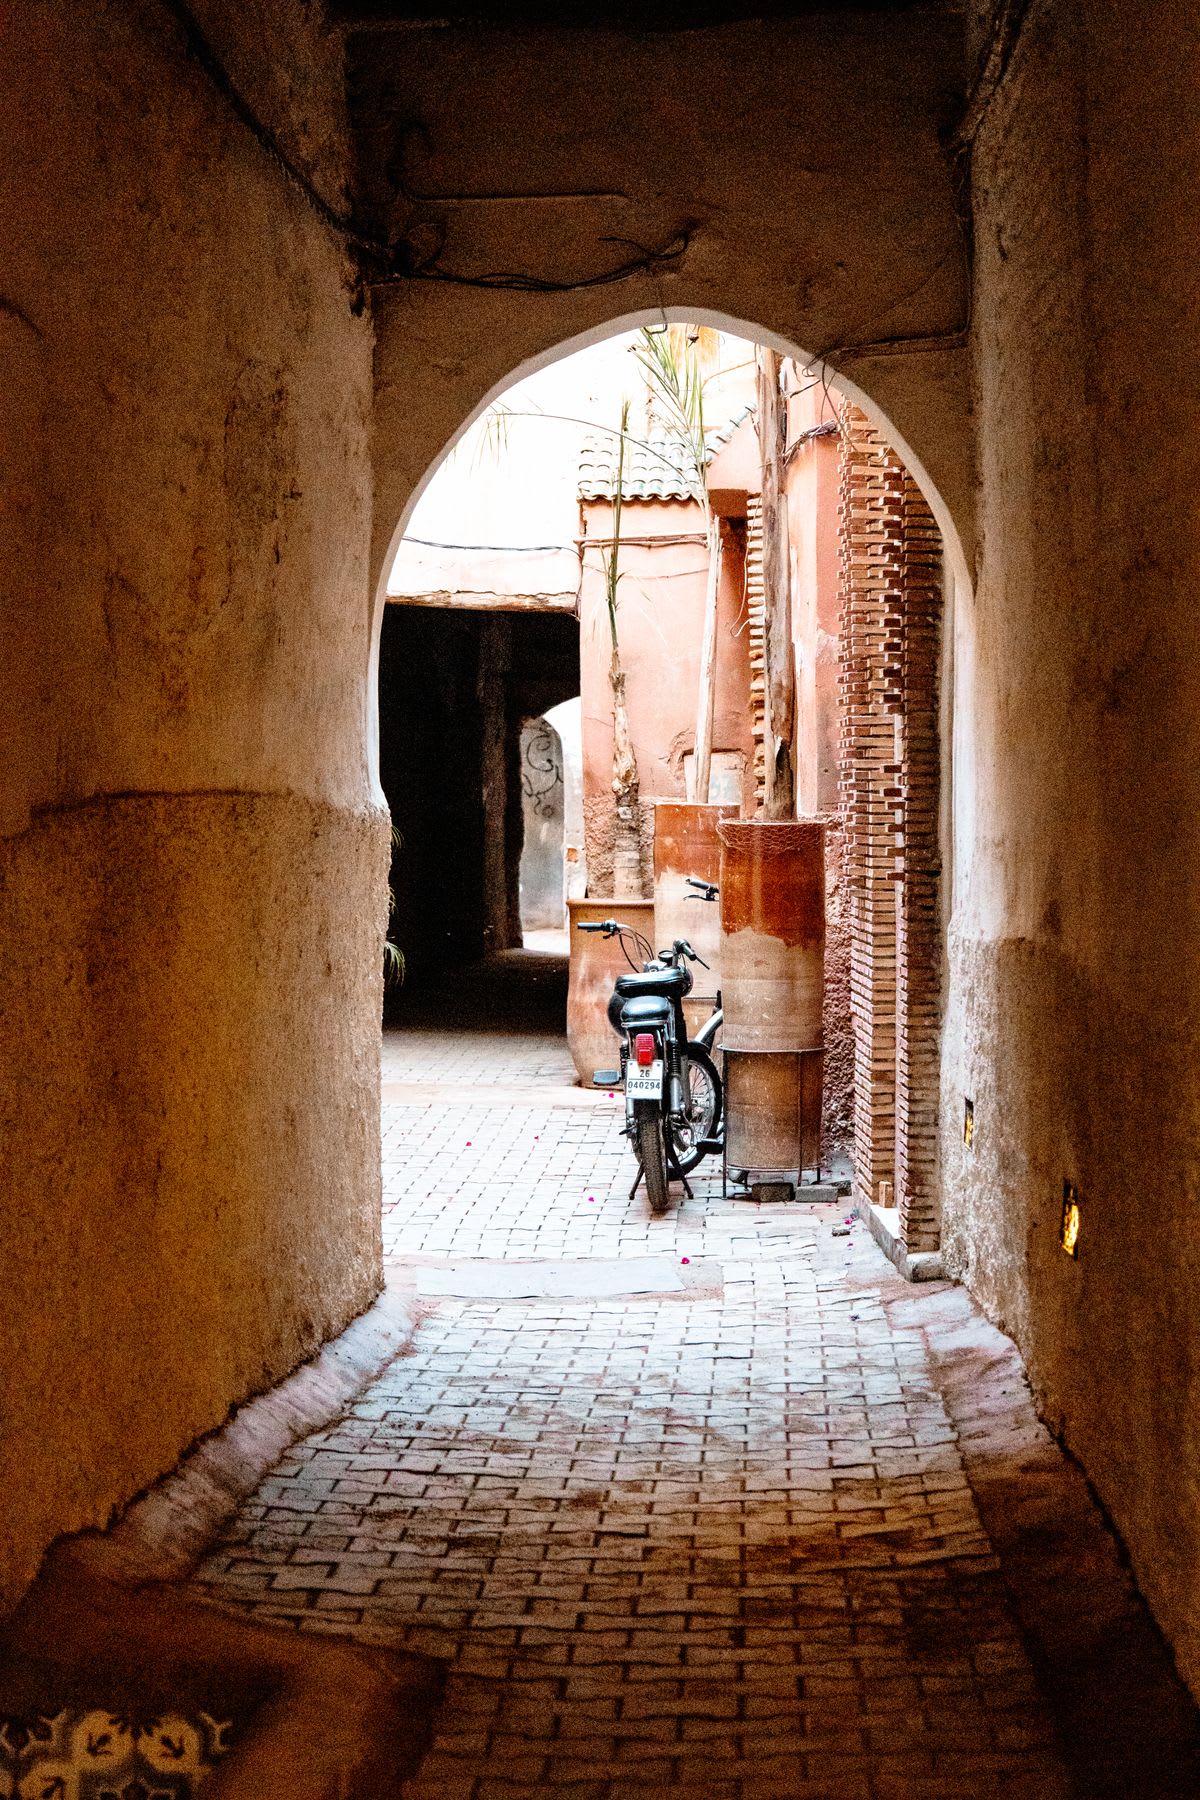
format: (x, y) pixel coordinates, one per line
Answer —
(950, 523)
(193, 868)
(901, 1019)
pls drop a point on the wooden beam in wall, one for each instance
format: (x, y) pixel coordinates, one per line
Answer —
(475, 601)
(779, 675)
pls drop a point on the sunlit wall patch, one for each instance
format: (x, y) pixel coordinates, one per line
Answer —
(968, 1122)
(1068, 1235)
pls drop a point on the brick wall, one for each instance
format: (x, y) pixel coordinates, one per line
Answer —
(918, 868)
(890, 554)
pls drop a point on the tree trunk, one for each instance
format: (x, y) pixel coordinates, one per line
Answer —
(706, 694)
(627, 830)
(779, 678)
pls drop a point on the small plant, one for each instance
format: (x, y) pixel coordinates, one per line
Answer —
(393, 955)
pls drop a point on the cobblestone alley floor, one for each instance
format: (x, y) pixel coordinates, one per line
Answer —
(719, 1542)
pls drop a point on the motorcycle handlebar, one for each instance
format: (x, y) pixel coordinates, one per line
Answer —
(708, 890)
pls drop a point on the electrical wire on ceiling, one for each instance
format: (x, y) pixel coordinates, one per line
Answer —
(648, 542)
(386, 262)
(516, 549)
(648, 261)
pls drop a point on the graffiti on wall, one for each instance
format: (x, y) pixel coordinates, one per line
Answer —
(541, 770)
(542, 804)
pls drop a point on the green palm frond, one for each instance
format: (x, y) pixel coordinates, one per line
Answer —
(493, 439)
(393, 955)
(671, 362)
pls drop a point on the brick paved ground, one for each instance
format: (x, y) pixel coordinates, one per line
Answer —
(717, 1544)
(477, 1059)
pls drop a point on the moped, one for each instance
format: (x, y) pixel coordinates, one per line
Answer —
(672, 1089)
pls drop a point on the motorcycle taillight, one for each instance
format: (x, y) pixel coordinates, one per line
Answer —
(644, 1048)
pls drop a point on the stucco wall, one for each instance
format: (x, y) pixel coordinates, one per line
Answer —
(191, 869)
(192, 863)
(1073, 1021)
(810, 485)
(543, 868)
(803, 155)
(660, 615)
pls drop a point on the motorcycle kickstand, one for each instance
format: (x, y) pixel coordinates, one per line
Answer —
(672, 1168)
(673, 1165)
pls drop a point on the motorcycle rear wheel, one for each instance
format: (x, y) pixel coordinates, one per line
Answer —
(651, 1148)
(703, 1086)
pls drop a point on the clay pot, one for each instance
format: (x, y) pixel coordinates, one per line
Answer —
(595, 963)
(686, 843)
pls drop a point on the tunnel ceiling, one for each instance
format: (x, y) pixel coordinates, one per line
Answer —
(668, 15)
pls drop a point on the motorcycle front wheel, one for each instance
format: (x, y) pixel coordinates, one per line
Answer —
(702, 1087)
(651, 1148)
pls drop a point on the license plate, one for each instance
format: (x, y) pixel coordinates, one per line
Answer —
(644, 1084)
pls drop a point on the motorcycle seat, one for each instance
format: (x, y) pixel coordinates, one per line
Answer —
(644, 1009)
(657, 981)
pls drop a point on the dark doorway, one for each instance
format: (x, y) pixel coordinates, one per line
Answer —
(455, 686)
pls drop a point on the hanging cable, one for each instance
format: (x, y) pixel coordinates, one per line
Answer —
(387, 262)
(208, 59)
(647, 262)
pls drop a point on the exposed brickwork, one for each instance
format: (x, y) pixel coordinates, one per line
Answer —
(918, 931)
(837, 1110)
(890, 624)
(756, 630)
(870, 511)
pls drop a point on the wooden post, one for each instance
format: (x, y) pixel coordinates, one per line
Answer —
(706, 695)
(495, 662)
(779, 681)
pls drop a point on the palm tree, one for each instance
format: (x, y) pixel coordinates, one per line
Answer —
(673, 360)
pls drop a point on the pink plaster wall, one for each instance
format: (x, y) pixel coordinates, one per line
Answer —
(660, 616)
(811, 496)
(811, 490)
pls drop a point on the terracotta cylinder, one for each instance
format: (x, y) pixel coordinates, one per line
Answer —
(595, 962)
(772, 961)
(772, 933)
(686, 843)
(773, 1111)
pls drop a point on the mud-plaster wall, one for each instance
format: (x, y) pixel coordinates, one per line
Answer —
(1075, 949)
(828, 216)
(192, 882)
(660, 614)
(185, 805)
(810, 485)
(543, 905)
